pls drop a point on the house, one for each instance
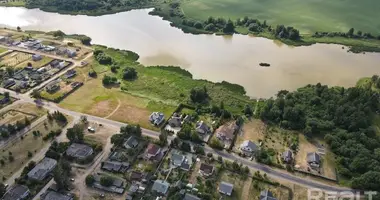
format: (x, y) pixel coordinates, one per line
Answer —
(226, 132)
(79, 151)
(175, 121)
(115, 166)
(152, 151)
(161, 187)
(191, 197)
(313, 159)
(248, 147)
(287, 156)
(136, 176)
(70, 73)
(52, 195)
(156, 118)
(36, 57)
(53, 86)
(202, 128)
(266, 195)
(206, 170)
(54, 63)
(179, 160)
(71, 53)
(17, 192)
(9, 83)
(42, 169)
(131, 143)
(116, 187)
(226, 188)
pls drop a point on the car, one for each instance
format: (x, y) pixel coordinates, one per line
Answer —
(72, 180)
(6, 186)
(91, 129)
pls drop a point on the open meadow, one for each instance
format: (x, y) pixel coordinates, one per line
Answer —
(307, 16)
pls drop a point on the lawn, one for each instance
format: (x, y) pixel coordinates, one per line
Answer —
(308, 16)
(36, 64)
(253, 130)
(15, 58)
(2, 50)
(234, 179)
(12, 116)
(21, 147)
(258, 186)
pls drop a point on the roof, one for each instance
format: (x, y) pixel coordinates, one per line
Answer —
(175, 121)
(42, 169)
(160, 186)
(16, 192)
(191, 197)
(206, 168)
(136, 175)
(249, 144)
(79, 150)
(177, 159)
(51, 195)
(202, 127)
(156, 117)
(131, 142)
(287, 155)
(227, 130)
(267, 195)
(153, 149)
(313, 157)
(114, 165)
(226, 187)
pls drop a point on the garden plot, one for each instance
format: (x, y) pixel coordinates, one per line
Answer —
(15, 58)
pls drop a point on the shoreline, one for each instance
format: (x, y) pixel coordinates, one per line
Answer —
(354, 45)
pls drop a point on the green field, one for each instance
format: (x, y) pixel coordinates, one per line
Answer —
(307, 16)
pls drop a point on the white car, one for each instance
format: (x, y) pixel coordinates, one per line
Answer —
(90, 129)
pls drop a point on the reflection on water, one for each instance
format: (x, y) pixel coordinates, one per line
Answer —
(232, 58)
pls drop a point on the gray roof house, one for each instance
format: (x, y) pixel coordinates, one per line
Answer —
(202, 127)
(160, 187)
(18, 192)
(179, 160)
(266, 195)
(131, 142)
(156, 118)
(248, 147)
(175, 121)
(313, 159)
(79, 151)
(226, 188)
(287, 156)
(191, 197)
(42, 169)
(36, 57)
(114, 166)
(206, 170)
(52, 195)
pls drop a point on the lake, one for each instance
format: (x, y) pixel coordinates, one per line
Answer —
(231, 58)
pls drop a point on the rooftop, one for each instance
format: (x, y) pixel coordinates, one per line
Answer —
(153, 149)
(226, 188)
(206, 168)
(191, 197)
(267, 195)
(51, 195)
(131, 142)
(249, 144)
(42, 169)
(160, 186)
(79, 150)
(313, 157)
(16, 192)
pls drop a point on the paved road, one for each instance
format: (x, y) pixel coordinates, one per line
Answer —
(256, 166)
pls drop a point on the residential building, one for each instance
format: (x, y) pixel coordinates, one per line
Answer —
(313, 159)
(131, 142)
(287, 156)
(52, 195)
(17, 192)
(79, 151)
(202, 128)
(175, 121)
(161, 187)
(156, 118)
(54, 63)
(116, 187)
(71, 53)
(70, 73)
(8, 83)
(206, 170)
(136, 176)
(191, 197)
(53, 86)
(152, 151)
(42, 169)
(226, 188)
(179, 160)
(248, 148)
(226, 132)
(36, 57)
(115, 166)
(267, 195)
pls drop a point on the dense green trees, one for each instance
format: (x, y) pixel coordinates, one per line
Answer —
(75, 134)
(344, 116)
(129, 73)
(109, 80)
(199, 95)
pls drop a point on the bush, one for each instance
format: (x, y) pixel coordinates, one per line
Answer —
(90, 179)
(216, 144)
(129, 73)
(106, 181)
(109, 80)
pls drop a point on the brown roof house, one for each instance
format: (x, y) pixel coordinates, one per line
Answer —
(206, 170)
(152, 152)
(226, 132)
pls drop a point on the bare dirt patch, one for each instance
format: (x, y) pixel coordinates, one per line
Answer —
(253, 130)
(132, 114)
(305, 147)
(103, 108)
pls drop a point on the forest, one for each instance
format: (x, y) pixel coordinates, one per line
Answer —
(344, 117)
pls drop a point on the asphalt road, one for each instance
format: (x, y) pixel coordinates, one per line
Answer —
(253, 165)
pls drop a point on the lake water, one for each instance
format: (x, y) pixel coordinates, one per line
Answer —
(232, 58)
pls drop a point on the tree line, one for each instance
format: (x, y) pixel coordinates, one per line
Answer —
(344, 117)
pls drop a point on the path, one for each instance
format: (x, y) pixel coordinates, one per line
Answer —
(246, 189)
(117, 108)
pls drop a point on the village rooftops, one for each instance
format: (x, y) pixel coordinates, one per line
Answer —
(313, 158)
(177, 159)
(206, 169)
(131, 142)
(287, 156)
(202, 128)
(226, 132)
(191, 197)
(226, 188)
(17, 192)
(267, 195)
(152, 150)
(249, 146)
(156, 118)
(52, 195)
(175, 121)
(115, 166)
(136, 176)
(80, 151)
(160, 187)
(42, 169)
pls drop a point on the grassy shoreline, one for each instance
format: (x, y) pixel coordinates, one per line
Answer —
(164, 10)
